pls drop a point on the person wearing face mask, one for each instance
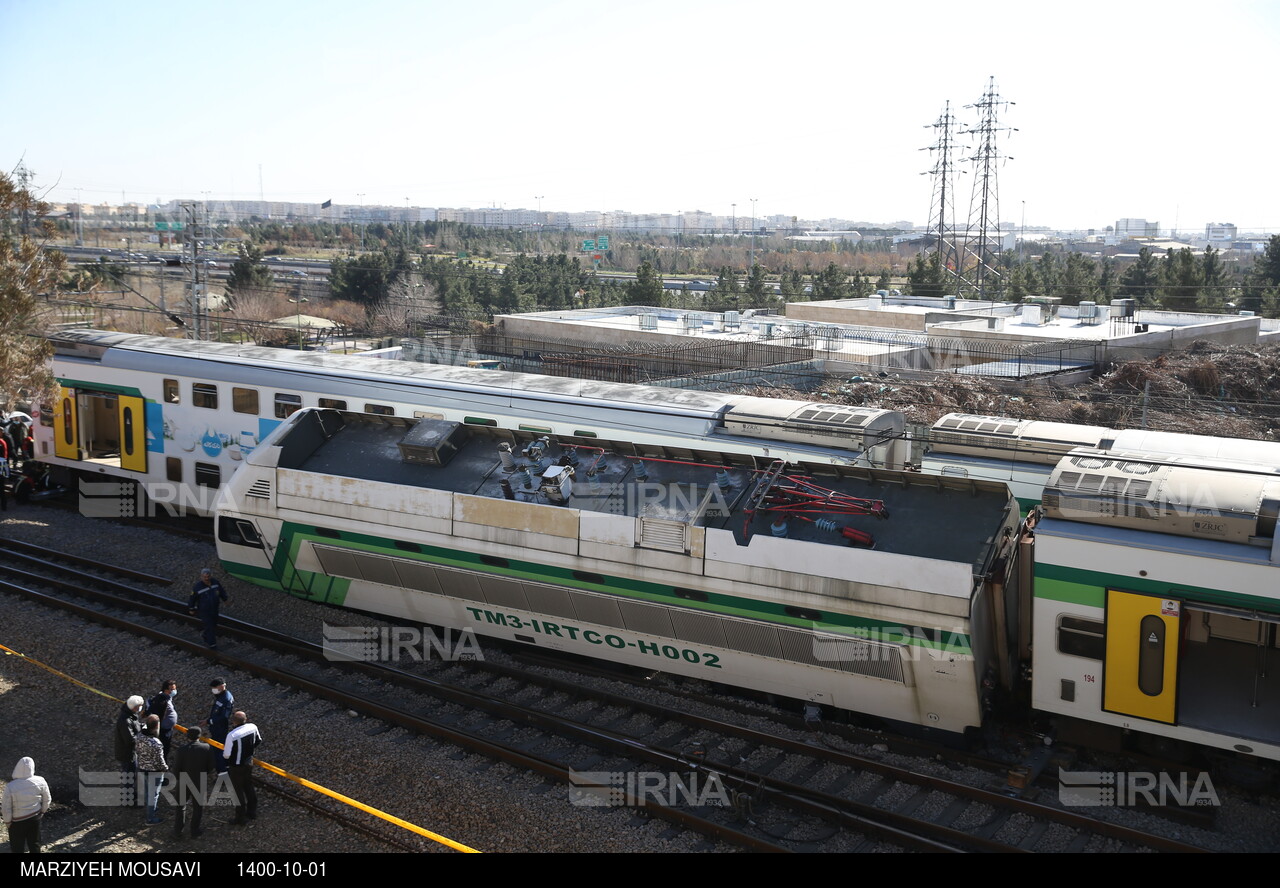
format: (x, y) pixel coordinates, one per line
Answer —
(219, 720)
(128, 727)
(162, 705)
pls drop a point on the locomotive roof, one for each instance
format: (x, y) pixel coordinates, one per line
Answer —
(945, 518)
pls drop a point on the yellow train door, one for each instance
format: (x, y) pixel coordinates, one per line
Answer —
(131, 413)
(1140, 675)
(66, 426)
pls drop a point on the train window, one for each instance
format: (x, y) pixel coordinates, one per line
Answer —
(379, 409)
(68, 428)
(126, 420)
(588, 577)
(208, 475)
(46, 415)
(581, 434)
(479, 420)
(204, 394)
(238, 532)
(533, 428)
(173, 469)
(427, 414)
(333, 404)
(244, 401)
(804, 613)
(172, 392)
(287, 405)
(1081, 638)
(494, 561)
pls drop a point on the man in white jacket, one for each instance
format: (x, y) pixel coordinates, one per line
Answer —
(26, 798)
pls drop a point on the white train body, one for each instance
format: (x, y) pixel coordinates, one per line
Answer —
(178, 416)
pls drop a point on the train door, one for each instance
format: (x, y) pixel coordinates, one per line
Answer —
(1229, 680)
(1140, 673)
(103, 427)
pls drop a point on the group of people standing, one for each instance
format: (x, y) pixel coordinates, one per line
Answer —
(143, 739)
(143, 744)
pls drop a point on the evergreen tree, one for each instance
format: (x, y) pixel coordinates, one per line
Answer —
(1141, 280)
(647, 287)
(925, 275)
(1179, 281)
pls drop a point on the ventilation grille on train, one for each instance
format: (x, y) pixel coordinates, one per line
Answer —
(261, 489)
(852, 655)
(664, 534)
(990, 424)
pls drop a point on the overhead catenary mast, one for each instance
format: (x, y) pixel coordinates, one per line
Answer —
(982, 241)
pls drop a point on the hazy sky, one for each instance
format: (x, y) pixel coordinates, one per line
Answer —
(1159, 110)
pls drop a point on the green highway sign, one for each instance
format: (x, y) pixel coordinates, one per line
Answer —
(602, 243)
(588, 246)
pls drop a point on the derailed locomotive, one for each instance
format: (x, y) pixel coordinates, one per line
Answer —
(1134, 598)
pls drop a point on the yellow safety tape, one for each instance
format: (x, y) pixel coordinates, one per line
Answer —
(301, 781)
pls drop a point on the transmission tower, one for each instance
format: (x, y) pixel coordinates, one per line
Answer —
(982, 235)
(942, 213)
(24, 175)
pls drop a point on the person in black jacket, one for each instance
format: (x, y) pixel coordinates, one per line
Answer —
(162, 705)
(128, 727)
(194, 767)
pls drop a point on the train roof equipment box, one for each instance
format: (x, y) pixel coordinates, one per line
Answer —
(432, 442)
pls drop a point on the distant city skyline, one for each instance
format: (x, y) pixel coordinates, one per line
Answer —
(820, 111)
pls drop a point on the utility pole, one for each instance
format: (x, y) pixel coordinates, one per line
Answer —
(361, 196)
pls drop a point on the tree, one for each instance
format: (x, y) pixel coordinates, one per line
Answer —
(647, 287)
(1262, 283)
(1141, 279)
(756, 287)
(27, 273)
(1179, 281)
(925, 277)
(249, 274)
(1213, 280)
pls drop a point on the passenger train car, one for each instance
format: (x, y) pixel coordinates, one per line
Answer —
(178, 416)
(1139, 599)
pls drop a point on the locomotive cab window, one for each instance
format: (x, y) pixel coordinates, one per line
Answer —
(1080, 637)
(204, 394)
(244, 401)
(287, 405)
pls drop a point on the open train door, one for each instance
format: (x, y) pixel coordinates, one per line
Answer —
(66, 426)
(131, 412)
(1140, 674)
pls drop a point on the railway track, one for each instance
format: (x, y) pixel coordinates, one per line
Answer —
(774, 792)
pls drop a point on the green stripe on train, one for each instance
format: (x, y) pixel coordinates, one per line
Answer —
(1082, 586)
(293, 535)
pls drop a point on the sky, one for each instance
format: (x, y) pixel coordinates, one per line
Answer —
(815, 109)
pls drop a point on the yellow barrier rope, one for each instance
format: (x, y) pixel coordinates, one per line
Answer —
(301, 781)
